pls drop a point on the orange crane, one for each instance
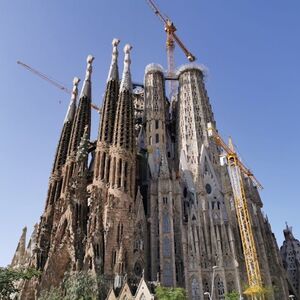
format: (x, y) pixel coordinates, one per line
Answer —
(52, 81)
(172, 37)
(236, 169)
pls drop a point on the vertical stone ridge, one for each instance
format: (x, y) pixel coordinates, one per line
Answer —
(83, 114)
(111, 96)
(62, 147)
(126, 83)
(124, 128)
(119, 207)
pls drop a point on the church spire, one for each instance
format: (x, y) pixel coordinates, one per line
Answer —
(62, 147)
(126, 83)
(86, 88)
(72, 106)
(83, 114)
(124, 128)
(113, 73)
(19, 256)
(111, 96)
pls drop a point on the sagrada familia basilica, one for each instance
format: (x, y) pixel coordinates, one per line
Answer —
(148, 201)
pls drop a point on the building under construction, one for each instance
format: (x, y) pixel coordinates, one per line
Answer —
(149, 198)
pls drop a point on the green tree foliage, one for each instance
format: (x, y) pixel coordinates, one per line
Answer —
(52, 294)
(234, 295)
(9, 279)
(164, 293)
(80, 286)
(76, 286)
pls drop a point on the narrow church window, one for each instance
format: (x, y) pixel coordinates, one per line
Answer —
(97, 250)
(167, 271)
(107, 170)
(150, 140)
(125, 176)
(166, 247)
(156, 124)
(119, 172)
(119, 232)
(166, 223)
(157, 138)
(114, 258)
(103, 165)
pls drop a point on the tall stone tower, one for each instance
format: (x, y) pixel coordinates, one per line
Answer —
(118, 209)
(290, 253)
(160, 180)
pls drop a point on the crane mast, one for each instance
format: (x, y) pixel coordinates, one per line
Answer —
(235, 169)
(172, 37)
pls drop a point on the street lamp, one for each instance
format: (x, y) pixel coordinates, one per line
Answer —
(213, 281)
(208, 294)
(292, 297)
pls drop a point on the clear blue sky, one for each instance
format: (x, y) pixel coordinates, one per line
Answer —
(251, 49)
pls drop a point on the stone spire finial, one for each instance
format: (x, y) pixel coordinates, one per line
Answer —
(72, 106)
(113, 73)
(86, 88)
(126, 83)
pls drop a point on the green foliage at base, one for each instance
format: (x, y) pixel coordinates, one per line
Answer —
(234, 295)
(52, 294)
(9, 278)
(77, 286)
(81, 285)
(164, 293)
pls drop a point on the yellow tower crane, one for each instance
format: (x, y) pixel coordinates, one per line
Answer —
(170, 44)
(236, 170)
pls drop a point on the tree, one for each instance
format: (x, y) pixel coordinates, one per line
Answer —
(9, 279)
(234, 295)
(80, 286)
(164, 293)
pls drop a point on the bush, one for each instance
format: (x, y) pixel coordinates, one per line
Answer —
(164, 293)
(234, 295)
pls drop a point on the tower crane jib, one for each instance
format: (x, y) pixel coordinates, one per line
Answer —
(52, 81)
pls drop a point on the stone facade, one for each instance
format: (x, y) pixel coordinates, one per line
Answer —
(149, 198)
(290, 253)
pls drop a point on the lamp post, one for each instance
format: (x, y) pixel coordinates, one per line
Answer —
(292, 297)
(208, 294)
(213, 281)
